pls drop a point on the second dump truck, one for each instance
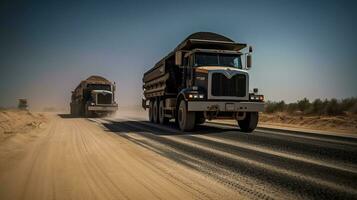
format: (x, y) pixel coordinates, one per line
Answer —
(203, 78)
(93, 97)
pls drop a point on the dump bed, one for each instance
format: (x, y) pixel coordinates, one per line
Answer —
(78, 91)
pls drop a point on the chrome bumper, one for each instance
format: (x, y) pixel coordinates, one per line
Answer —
(225, 106)
(103, 108)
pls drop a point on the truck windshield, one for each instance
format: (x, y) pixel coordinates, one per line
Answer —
(98, 87)
(214, 59)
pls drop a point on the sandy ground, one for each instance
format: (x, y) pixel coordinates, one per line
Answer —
(76, 159)
(14, 122)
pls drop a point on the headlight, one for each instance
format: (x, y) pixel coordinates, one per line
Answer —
(196, 96)
(257, 97)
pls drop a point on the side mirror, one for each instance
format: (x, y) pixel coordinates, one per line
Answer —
(178, 58)
(249, 61)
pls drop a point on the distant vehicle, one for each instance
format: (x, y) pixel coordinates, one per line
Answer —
(93, 97)
(202, 78)
(22, 104)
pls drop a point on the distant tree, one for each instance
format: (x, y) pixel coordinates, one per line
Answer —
(280, 106)
(303, 105)
(333, 108)
(317, 107)
(270, 107)
(292, 107)
(348, 103)
(353, 109)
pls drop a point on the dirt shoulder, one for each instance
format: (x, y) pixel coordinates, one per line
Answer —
(346, 124)
(340, 124)
(13, 122)
(76, 158)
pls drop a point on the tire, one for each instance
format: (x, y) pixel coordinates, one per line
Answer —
(73, 114)
(200, 119)
(249, 123)
(87, 113)
(186, 120)
(156, 111)
(151, 105)
(82, 109)
(162, 118)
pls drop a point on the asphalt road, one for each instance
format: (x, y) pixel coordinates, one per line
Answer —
(129, 158)
(264, 164)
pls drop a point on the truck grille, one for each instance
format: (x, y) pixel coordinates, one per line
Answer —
(223, 86)
(104, 99)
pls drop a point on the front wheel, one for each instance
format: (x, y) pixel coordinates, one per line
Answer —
(249, 123)
(87, 112)
(186, 119)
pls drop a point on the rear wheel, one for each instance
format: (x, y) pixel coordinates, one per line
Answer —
(151, 117)
(156, 111)
(162, 118)
(73, 110)
(249, 123)
(186, 120)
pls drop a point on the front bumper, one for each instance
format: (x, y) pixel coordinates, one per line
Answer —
(110, 108)
(222, 106)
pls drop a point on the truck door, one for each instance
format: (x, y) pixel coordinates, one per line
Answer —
(189, 71)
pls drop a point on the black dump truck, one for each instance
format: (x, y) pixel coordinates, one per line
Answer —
(93, 97)
(203, 78)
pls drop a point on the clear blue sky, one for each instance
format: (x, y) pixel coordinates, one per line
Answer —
(301, 48)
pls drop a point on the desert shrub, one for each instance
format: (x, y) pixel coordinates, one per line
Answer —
(272, 107)
(317, 107)
(348, 104)
(292, 107)
(281, 106)
(303, 105)
(333, 108)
